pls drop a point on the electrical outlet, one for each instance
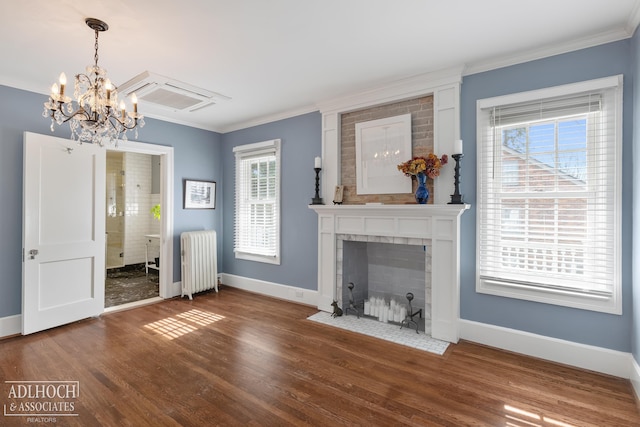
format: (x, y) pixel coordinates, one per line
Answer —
(299, 294)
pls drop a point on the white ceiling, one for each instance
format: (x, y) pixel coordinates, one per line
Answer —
(278, 58)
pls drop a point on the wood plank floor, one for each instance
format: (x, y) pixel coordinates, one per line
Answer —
(237, 358)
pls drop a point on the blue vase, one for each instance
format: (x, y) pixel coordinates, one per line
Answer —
(422, 193)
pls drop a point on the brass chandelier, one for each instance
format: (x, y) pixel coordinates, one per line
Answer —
(94, 114)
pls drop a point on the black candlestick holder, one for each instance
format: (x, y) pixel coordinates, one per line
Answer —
(456, 197)
(317, 200)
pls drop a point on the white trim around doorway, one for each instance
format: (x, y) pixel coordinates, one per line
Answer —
(166, 287)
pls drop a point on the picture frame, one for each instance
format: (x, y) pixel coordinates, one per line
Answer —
(199, 194)
(381, 145)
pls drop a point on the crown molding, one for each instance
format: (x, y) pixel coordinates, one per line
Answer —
(397, 90)
(555, 49)
(269, 118)
(634, 20)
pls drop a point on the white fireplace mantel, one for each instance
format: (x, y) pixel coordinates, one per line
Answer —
(438, 222)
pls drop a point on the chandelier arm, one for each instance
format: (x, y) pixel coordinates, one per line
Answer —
(80, 112)
(83, 76)
(115, 126)
(68, 117)
(122, 124)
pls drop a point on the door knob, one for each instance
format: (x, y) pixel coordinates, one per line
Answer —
(33, 253)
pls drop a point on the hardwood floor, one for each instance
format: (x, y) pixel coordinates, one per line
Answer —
(237, 358)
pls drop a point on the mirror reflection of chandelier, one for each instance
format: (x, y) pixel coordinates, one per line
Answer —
(94, 114)
(386, 153)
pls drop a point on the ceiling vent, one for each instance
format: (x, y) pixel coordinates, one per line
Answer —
(168, 93)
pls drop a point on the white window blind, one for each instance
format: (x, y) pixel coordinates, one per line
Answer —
(549, 195)
(257, 222)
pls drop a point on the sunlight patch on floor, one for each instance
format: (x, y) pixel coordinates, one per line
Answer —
(173, 328)
(517, 417)
(202, 318)
(170, 328)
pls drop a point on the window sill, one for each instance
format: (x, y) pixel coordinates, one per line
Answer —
(611, 304)
(258, 258)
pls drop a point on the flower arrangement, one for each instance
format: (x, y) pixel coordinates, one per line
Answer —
(429, 165)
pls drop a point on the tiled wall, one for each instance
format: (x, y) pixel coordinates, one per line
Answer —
(138, 202)
(395, 270)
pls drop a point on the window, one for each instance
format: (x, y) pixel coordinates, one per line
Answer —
(257, 233)
(549, 195)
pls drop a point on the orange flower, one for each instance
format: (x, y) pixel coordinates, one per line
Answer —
(429, 165)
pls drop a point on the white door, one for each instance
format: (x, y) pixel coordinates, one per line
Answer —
(63, 264)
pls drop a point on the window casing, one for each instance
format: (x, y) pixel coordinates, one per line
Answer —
(257, 220)
(549, 195)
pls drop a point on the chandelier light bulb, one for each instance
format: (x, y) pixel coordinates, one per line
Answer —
(54, 89)
(134, 100)
(109, 87)
(63, 81)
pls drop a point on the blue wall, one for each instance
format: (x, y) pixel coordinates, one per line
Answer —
(587, 327)
(196, 155)
(301, 142)
(635, 330)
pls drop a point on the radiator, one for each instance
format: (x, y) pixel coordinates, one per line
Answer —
(199, 262)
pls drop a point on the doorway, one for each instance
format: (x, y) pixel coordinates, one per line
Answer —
(133, 213)
(138, 186)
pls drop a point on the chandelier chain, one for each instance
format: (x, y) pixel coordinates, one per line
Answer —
(95, 56)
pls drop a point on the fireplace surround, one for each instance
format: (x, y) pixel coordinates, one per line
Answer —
(437, 225)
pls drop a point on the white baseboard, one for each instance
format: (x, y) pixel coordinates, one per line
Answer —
(635, 377)
(276, 290)
(598, 359)
(10, 325)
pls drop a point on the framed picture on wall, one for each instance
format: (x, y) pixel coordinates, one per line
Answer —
(199, 194)
(381, 145)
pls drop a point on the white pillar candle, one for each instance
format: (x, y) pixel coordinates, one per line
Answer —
(318, 163)
(403, 312)
(457, 146)
(367, 307)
